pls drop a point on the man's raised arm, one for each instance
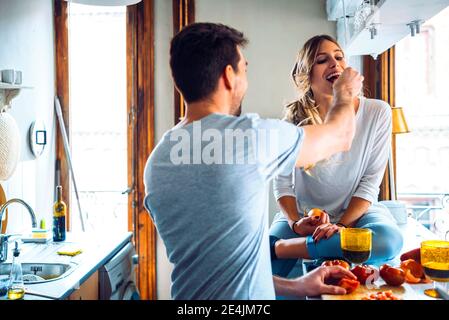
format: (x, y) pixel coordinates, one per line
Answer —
(337, 131)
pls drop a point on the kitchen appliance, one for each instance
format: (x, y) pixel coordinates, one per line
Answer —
(117, 276)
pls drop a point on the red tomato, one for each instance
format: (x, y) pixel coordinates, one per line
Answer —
(414, 267)
(414, 254)
(392, 276)
(342, 263)
(349, 285)
(365, 273)
(410, 278)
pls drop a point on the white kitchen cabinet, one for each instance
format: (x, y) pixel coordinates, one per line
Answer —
(88, 290)
(7, 93)
(338, 8)
(388, 22)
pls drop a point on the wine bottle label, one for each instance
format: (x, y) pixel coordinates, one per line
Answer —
(59, 210)
(59, 228)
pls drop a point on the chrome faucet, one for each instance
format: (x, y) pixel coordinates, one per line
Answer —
(4, 237)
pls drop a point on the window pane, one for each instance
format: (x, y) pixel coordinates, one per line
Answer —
(97, 51)
(423, 155)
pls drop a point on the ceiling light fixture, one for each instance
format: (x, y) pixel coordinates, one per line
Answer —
(106, 2)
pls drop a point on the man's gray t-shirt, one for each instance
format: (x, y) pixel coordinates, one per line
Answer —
(206, 191)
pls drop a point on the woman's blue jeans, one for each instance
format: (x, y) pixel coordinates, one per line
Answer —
(387, 239)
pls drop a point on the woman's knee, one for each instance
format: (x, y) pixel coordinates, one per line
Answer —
(282, 267)
(387, 241)
(280, 228)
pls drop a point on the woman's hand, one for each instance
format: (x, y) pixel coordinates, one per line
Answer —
(306, 226)
(325, 231)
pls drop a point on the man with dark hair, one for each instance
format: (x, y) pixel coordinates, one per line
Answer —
(206, 179)
(199, 56)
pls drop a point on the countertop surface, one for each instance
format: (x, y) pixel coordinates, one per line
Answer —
(96, 251)
(414, 233)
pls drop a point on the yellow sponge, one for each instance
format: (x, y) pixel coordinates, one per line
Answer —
(39, 233)
(69, 251)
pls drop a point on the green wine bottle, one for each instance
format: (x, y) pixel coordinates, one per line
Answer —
(59, 216)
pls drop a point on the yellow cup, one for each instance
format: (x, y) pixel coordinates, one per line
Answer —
(356, 244)
(435, 259)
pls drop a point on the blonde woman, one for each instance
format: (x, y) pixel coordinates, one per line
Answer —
(346, 185)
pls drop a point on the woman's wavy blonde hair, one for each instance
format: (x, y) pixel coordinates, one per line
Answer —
(304, 110)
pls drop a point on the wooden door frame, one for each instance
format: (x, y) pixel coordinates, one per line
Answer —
(62, 91)
(140, 53)
(380, 84)
(140, 106)
(183, 15)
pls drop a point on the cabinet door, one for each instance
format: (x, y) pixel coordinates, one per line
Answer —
(88, 290)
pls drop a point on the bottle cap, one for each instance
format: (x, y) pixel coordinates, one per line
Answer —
(16, 251)
(42, 224)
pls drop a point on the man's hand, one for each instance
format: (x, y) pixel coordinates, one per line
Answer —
(307, 225)
(315, 282)
(349, 84)
(325, 231)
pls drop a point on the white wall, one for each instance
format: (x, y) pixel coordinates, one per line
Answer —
(276, 30)
(26, 38)
(164, 115)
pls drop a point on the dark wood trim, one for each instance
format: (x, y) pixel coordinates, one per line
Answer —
(62, 91)
(392, 101)
(183, 15)
(380, 84)
(131, 96)
(141, 90)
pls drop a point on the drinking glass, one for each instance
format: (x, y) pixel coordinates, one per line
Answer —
(356, 244)
(435, 261)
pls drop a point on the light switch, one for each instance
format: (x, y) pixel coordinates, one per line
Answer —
(38, 138)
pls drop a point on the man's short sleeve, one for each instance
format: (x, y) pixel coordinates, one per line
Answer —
(278, 145)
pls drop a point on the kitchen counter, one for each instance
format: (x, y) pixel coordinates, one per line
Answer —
(96, 251)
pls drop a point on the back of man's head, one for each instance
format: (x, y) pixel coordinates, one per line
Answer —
(199, 54)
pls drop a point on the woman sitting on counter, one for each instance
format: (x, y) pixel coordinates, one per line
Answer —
(346, 185)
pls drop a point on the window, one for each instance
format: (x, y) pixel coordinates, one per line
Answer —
(98, 114)
(133, 34)
(422, 156)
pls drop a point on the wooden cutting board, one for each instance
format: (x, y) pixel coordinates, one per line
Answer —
(403, 292)
(5, 215)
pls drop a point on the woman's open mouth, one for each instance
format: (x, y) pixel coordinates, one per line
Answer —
(333, 77)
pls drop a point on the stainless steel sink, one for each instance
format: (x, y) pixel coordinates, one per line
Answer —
(40, 272)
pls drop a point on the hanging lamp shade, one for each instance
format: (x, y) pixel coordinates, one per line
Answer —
(9, 145)
(106, 2)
